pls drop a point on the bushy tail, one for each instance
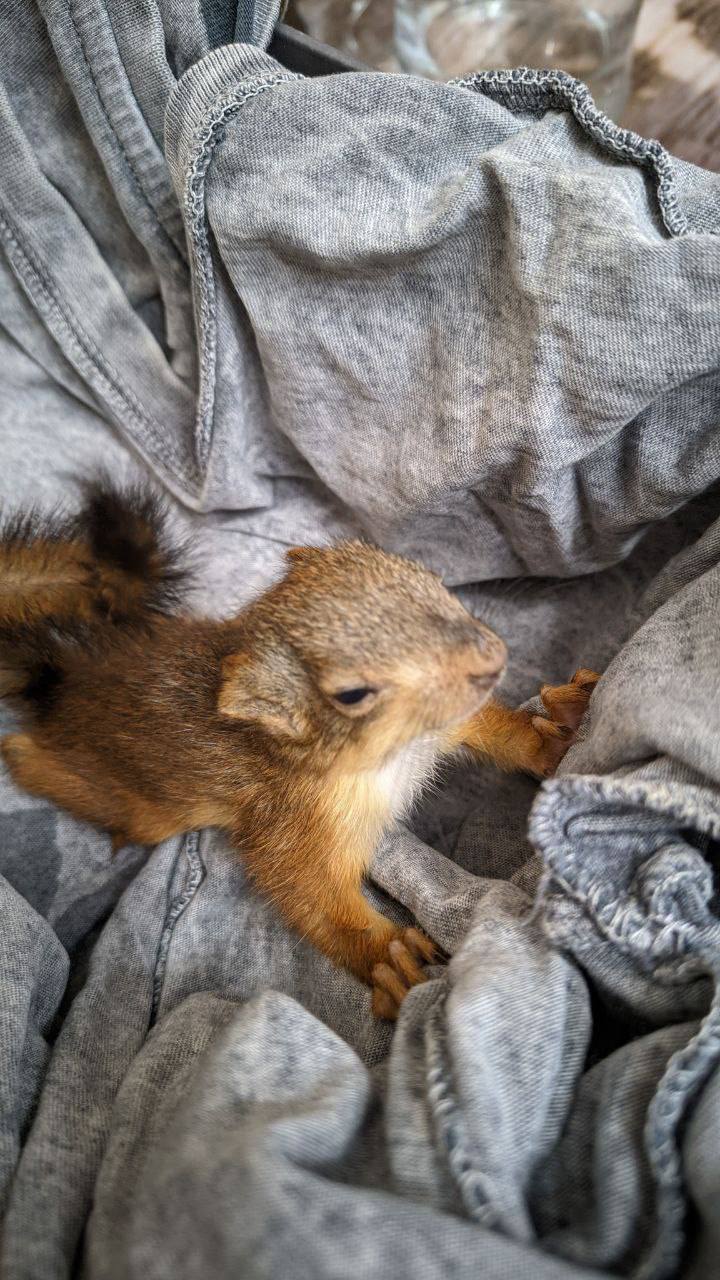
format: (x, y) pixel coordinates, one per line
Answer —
(138, 567)
(61, 577)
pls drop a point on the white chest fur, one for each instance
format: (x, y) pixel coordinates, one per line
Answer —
(399, 780)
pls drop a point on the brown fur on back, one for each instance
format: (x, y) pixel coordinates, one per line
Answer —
(292, 726)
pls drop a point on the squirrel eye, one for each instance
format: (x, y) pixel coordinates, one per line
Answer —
(349, 697)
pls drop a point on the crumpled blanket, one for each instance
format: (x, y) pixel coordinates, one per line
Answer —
(479, 324)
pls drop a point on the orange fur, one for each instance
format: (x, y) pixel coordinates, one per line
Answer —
(152, 730)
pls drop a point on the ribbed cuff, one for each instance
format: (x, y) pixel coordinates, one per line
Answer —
(198, 89)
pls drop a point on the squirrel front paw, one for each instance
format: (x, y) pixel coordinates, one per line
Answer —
(565, 705)
(408, 955)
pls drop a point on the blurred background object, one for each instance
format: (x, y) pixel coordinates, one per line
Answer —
(676, 78)
(659, 74)
(591, 39)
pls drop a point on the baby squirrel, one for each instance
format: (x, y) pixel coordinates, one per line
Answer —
(303, 726)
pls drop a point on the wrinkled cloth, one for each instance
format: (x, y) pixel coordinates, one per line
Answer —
(479, 324)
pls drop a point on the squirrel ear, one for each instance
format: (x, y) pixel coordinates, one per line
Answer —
(247, 694)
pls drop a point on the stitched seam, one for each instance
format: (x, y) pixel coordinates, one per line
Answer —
(72, 328)
(549, 821)
(633, 930)
(649, 940)
(194, 876)
(173, 244)
(205, 142)
(474, 1187)
(686, 1073)
(689, 1068)
(558, 89)
(90, 358)
(624, 921)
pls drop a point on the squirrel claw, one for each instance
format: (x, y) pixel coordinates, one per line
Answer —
(419, 945)
(405, 968)
(383, 1005)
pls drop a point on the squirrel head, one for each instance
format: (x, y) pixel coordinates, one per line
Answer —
(355, 653)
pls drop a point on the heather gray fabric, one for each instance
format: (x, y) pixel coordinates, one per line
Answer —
(480, 324)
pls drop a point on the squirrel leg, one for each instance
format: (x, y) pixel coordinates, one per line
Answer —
(43, 772)
(320, 896)
(523, 741)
